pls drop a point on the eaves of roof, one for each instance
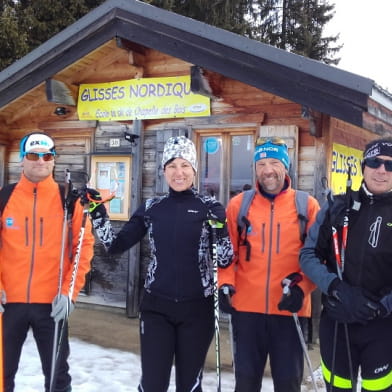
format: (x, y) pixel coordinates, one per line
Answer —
(311, 83)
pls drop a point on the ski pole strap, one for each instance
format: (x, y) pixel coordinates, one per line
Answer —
(290, 281)
(337, 253)
(215, 224)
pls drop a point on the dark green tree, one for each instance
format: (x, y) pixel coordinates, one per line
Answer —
(226, 14)
(303, 22)
(44, 18)
(293, 25)
(12, 42)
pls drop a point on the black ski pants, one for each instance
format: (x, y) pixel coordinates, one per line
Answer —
(370, 352)
(258, 336)
(174, 331)
(18, 318)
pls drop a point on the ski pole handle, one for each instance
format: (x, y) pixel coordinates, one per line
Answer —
(290, 281)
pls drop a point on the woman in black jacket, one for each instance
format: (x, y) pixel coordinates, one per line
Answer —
(177, 308)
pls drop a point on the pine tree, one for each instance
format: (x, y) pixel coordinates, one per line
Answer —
(45, 18)
(297, 26)
(12, 42)
(293, 25)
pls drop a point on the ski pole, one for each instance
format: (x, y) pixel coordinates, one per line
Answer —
(2, 355)
(212, 222)
(76, 261)
(287, 283)
(340, 259)
(226, 292)
(60, 280)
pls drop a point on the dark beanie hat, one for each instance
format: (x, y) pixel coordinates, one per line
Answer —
(378, 147)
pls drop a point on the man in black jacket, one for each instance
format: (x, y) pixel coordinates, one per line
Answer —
(348, 254)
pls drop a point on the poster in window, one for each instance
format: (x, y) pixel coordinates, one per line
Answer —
(110, 176)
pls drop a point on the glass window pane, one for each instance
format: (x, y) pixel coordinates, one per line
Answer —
(210, 165)
(241, 163)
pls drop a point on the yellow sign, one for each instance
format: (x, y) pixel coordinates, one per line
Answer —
(141, 99)
(344, 157)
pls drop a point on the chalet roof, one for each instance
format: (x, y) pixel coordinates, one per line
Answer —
(311, 83)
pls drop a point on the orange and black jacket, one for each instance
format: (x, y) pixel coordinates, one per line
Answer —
(31, 243)
(275, 243)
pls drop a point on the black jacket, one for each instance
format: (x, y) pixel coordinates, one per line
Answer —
(368, 255)
(180, 266)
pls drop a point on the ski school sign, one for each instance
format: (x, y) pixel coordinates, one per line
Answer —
(146, 98)
(343, 158)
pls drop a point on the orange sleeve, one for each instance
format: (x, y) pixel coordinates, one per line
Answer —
(81, 254)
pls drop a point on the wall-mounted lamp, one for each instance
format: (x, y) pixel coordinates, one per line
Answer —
(314, 119)
(131, 137)
(199, 83)
(61, 111)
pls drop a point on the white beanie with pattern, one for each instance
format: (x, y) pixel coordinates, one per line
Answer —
(180, 147)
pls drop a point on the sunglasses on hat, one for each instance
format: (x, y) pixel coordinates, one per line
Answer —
(375, 163)
(34, 156)
(273, 140)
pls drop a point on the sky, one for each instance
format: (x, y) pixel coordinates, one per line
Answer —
(364, 28)
(94, 368)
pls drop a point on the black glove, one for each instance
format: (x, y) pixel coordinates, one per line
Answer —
(96, 208)
(225, 293)
(293, 296)
(348, 304)
(385, 308)
(217, 217)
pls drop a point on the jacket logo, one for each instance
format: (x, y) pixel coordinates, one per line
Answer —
(193, 211)
(381, 369)
(375, 232)
(9, 222)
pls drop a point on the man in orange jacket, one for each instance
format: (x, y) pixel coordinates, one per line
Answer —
(30, 254)
(262, 318)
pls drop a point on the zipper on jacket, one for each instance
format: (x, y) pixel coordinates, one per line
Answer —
(263, 238)
(41, 231)
(278, 238)
(26, 231)
(269, 259)
(363, 246)
(32, 245)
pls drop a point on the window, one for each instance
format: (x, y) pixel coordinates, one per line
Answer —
(225, 162)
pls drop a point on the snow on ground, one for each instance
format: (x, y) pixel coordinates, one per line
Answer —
(94, 368)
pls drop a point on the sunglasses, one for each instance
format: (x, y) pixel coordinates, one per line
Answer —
(34, 156)
(273, 140)
(375, 163)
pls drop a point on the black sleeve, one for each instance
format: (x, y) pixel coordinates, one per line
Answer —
(131, 233)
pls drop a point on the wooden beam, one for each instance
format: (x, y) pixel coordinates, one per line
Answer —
(73, 124)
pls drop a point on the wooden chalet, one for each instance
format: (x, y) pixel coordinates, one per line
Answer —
(251, 90)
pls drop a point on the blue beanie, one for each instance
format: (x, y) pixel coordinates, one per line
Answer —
(271, 150)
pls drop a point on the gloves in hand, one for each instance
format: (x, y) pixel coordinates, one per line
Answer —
(225, 293)
(62, 307)
(348, 304)
(96, 207)
(3, 300)
(293, 296)
(216, 211)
